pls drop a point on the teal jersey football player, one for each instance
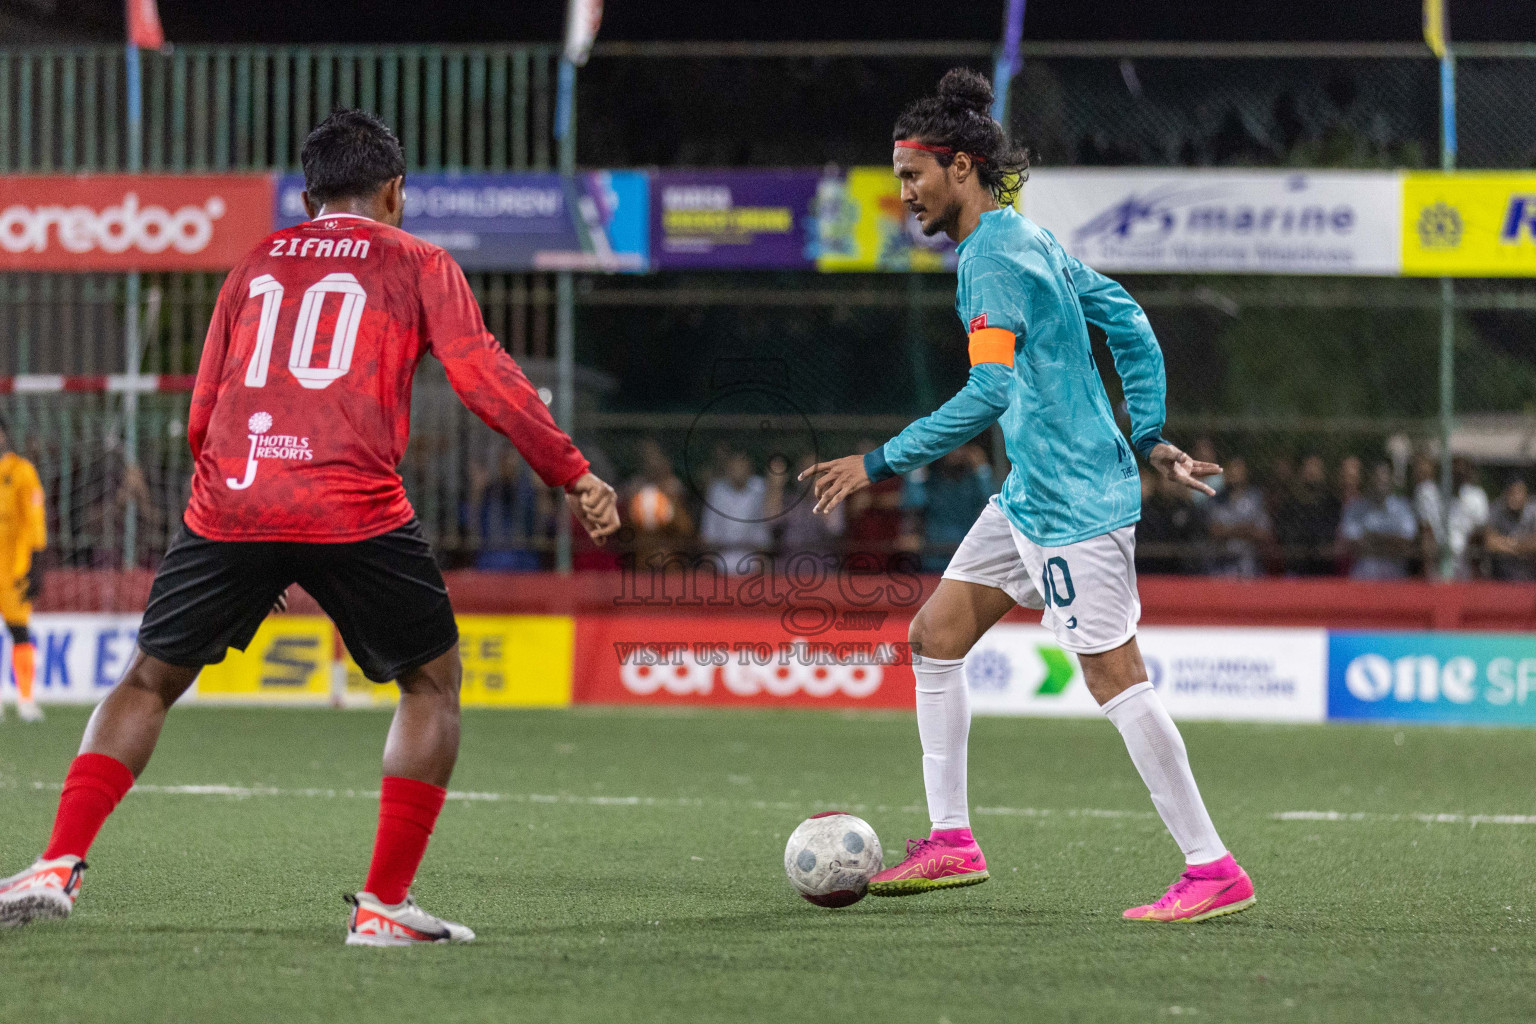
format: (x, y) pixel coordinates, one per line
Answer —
(1060, 536)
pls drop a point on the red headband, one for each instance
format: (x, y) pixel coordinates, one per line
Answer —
(947, 151)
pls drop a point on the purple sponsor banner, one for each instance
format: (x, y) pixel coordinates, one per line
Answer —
(757, 220)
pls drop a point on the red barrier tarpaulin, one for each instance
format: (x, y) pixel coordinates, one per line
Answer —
(742, 661)
(125, 222)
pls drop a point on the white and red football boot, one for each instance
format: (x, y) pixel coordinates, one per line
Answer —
(405, 924)
(45, 890)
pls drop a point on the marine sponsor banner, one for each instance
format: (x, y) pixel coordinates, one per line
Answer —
(742, 661)
(289, 661)
(509, 661)
(1262, 675)
(1257, 222)
(1469, 225)
(1468, 678)
(733, 220)
(121, 222)
(596, 220)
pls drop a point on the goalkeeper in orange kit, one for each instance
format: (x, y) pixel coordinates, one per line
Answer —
(23, 530)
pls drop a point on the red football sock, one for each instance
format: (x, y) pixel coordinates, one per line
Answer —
(407, 811)
(93, 787)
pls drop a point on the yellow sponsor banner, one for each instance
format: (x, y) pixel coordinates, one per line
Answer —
(509, 661)
(867, 227)
(1469, 225)
(289, 661)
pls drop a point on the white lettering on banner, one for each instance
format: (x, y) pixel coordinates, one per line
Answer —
(696, 197)
(681, 671)
(115, 229)
(1277, 675)
(1243, 221)
(1422, 677)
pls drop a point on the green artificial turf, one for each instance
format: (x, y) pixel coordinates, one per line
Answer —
(592, 907)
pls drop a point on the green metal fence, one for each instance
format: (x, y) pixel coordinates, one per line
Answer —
(217, 108)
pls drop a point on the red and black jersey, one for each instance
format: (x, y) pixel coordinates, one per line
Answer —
(302, 407)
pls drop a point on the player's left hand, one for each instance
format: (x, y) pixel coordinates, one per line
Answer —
(836, 480)
(1176, 465)
(595, 503)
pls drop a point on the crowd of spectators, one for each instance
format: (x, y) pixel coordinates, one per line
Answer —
(1358, 521)
(1302, 518)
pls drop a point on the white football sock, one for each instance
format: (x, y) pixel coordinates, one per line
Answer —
(1158, 752)
(944, 725)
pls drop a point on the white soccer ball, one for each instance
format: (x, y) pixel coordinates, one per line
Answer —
(831, 857)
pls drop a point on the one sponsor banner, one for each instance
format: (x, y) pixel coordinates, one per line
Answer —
(1262, 675)
(289, 661)
(1471, 678)
(734, 220)
(79, 657)
(1260, 222)
(509, 661)
(597, 220)
(118, 222)
(1469, 225)
(863, 226)
(742, 661)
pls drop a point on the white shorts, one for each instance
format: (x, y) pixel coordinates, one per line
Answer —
(1086, 590)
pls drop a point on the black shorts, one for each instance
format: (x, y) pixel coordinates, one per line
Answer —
(385, 594)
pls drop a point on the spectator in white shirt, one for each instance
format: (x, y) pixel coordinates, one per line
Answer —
(734, 524)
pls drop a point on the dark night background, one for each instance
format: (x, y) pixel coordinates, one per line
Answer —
(446, 21)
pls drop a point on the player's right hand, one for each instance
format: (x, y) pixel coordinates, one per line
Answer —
(595, 504)
(836, 480)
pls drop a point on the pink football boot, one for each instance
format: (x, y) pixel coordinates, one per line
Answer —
(1203, 891)
(947, 859)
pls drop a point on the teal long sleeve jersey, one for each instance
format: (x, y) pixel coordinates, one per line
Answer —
(1026, 305)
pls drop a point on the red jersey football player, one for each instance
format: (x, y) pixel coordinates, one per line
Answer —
(300, 415)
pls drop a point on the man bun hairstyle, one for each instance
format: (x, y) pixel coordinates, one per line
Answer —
(348, 156)
(959, 118)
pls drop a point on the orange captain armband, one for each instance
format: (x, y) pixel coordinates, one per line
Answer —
(992, 345)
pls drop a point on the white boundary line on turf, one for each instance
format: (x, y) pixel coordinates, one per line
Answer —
(1423, 819)
(471, 796)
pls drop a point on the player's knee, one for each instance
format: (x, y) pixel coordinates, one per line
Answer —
(20, 634)
(437, 679)
(931, 637)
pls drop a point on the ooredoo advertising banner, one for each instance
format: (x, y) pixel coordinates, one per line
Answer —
(1467, 678)
(734, 220)
(1236, 675)
(596, 220)
(1246, 222)
(132, 222)
(741, 661)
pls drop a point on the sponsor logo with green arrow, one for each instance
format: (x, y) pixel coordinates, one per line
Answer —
(1058, 671)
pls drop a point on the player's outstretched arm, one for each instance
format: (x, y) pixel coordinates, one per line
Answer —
(1176, 465)
(973, 409)
(486, 378)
